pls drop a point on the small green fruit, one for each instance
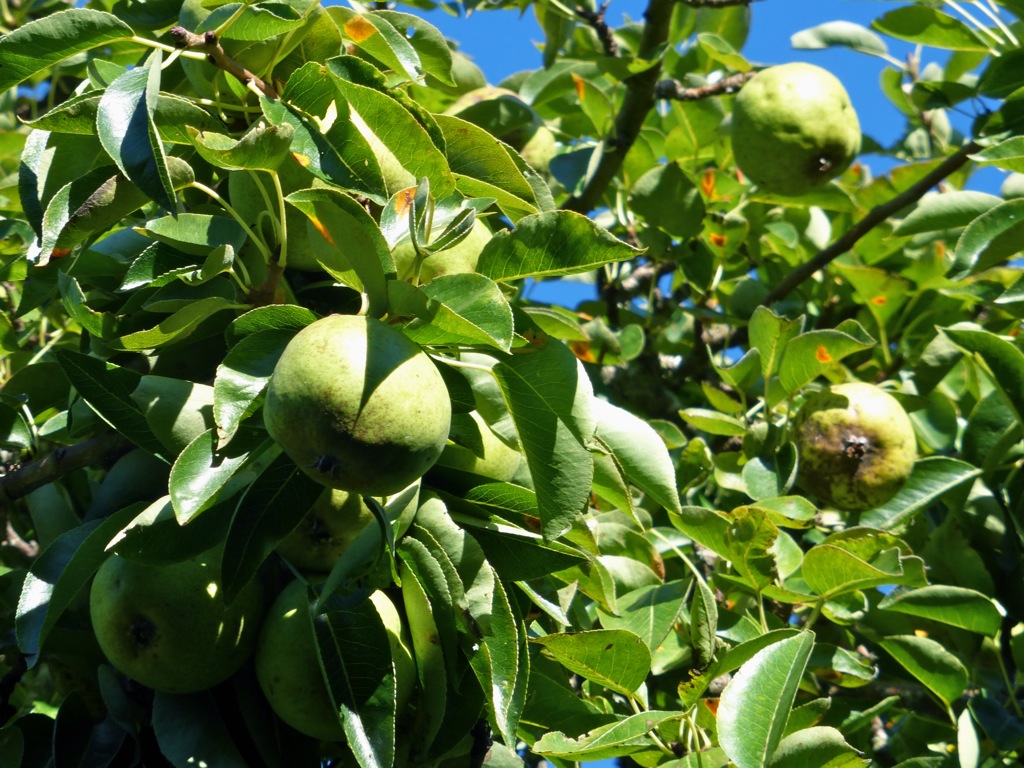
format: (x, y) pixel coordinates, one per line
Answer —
(289, 671)
(168, 627)
(857, 446)
(492, 458)
(319, 541)
(461, 257)
(358, 406)
(793, 129)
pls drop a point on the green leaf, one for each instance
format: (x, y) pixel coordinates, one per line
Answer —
(384, 120)
(548, 244)
(340, 155)
(196, 233)
(956, 606)
(42, 43)
(950, 210)
(455, 309)
(713, 422)
(127, 130)
(203, 473)
(929, 26)
(14, 429)
(755, 705)
(190, 730)
(430, 665)
(990, 239)
(107, 389)
(931, 479)
(361, 684)
(179, 325)
(928, 661)
(858, 558)
(58, 575)
(346, 224)
(259, 21)
(604, 742)
(242, 377)
(276, 316)
(770, 335)
(174, 117)
(614, 658)
(377, 36)
(640, 451)
(839, 33)
(703, 623)
(820, 746)
(667, 198)
(549, 397)
(649, 612)
(1008, 155)
(999, 358)
(427, 40)
(750, 538)
(810, 354)
(263, 147)
(268, 511)
(484, 167)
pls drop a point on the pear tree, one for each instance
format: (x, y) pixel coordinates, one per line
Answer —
(644, 407)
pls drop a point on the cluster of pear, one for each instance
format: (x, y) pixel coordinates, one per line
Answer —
(364, 411)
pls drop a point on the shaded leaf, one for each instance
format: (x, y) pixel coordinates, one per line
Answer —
(928, 661)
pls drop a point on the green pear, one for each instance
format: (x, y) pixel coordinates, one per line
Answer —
(358, 405)
(793, 129)
(289, 670)
(326, 531)
(856, 444)
(490, 457)
(177, 411)
(461, 257)
(168, 627)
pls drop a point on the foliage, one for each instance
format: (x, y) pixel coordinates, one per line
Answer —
(176, 202)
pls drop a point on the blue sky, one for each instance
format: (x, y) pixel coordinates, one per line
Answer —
(503, 42)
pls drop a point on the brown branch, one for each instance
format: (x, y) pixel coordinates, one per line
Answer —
(604, 33)
(637, 103)
(674, 90)
(61, 462)
(874, 217)
(209, 44)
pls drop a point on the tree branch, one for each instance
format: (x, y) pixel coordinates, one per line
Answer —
(674, 90)
(61, 462)
(604, 33)
(874, 217)
(209, 44)
(638, 102)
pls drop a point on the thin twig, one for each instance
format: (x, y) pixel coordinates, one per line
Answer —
(209, 44)
(675, 91)
(604, 33)
(638, 101)
(874, 217)
(61, 462)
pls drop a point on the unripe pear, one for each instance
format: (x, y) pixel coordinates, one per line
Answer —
(319, 541)
(358, 405)
(793, 128)
(461, 257)
(168, 627)
(289, 671)
(857, 446)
